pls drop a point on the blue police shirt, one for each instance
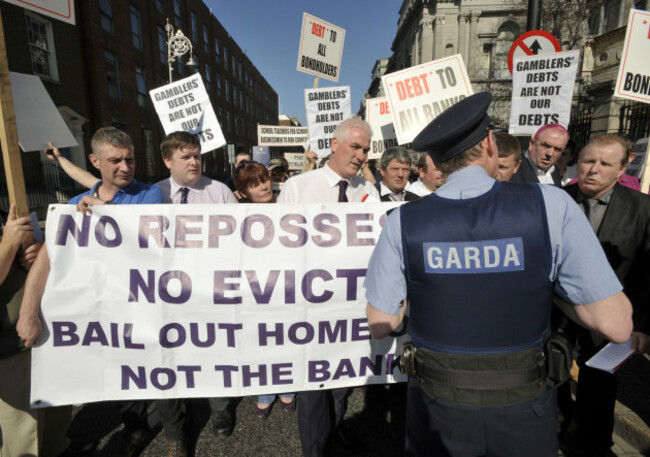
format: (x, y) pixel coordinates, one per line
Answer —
(134, 193)
(579, 268)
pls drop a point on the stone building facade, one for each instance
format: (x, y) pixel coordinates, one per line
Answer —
(483, 31)
(99, 73)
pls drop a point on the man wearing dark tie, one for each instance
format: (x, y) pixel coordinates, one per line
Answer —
(621, 219)
(395, 169)
(320, 411)
(181, 152)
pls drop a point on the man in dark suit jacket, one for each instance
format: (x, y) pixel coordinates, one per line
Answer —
(544, 149)
(395, 169)
(621, 219)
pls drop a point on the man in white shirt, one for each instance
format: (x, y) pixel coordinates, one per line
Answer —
(430, 177)
(395, 169)
(337, 181)
(544, 149)
(350, 146)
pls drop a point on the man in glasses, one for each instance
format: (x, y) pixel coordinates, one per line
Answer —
(544, 150)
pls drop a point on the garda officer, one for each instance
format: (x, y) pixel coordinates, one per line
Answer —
(480, 260)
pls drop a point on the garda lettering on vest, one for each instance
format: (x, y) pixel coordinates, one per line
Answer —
(472, 257)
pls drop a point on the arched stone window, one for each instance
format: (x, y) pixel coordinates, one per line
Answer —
(506, 35)
(449, 50)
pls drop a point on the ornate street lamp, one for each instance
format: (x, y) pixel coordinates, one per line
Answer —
(178, 45)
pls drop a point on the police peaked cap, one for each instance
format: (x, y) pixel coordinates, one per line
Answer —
(456, 129)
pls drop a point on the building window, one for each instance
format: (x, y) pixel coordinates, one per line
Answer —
(240, 73)
(234, 66)
(160, 6)
(506, 35)
(487, 67)
(141, 86)
(217, 50)
(220, 118)
(106, 12)
(225, 58)
(177, 14)
(235, 97)
(206, 40)
(193, 26)
(612, 13)
(227, 90)
(208, 77)
(112, 75)
(149, 160)
(162, 46)
(219, 92)
(41, 47)
(136, 32)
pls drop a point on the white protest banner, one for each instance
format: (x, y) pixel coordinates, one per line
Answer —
(542, 91)
(62, 10)
(321, 48)
(295, 160)
(273, 135)
(418, 94)
(164, 301)
(633, 80)
(381, 122)
(326, 108)
(185, 105)
(38, 120)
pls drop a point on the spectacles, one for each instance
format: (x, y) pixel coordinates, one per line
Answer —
(243, 164)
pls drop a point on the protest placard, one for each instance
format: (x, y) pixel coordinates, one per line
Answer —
(273, 135)
(418, 94)
(164, 301)
(321, 48)
(185, 105)
(295, 160)
(62, 10)
(542, 91)
(38, 120)
(381, 122)
(262, 154)
(633, 80)
(326, 108)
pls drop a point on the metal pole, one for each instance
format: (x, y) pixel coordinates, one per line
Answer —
(534, 15)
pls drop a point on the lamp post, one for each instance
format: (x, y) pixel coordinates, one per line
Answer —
(178, 45)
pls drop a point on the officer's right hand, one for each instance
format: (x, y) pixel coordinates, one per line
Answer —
(18, 230)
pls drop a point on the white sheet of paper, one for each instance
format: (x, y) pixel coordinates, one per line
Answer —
(37, 118)
(611, 356)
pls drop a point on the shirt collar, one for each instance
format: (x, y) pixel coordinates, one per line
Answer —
(605, 198)
(331, 176)
(384, 190)
(174, 187)
(93, 190)
(539, 171)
